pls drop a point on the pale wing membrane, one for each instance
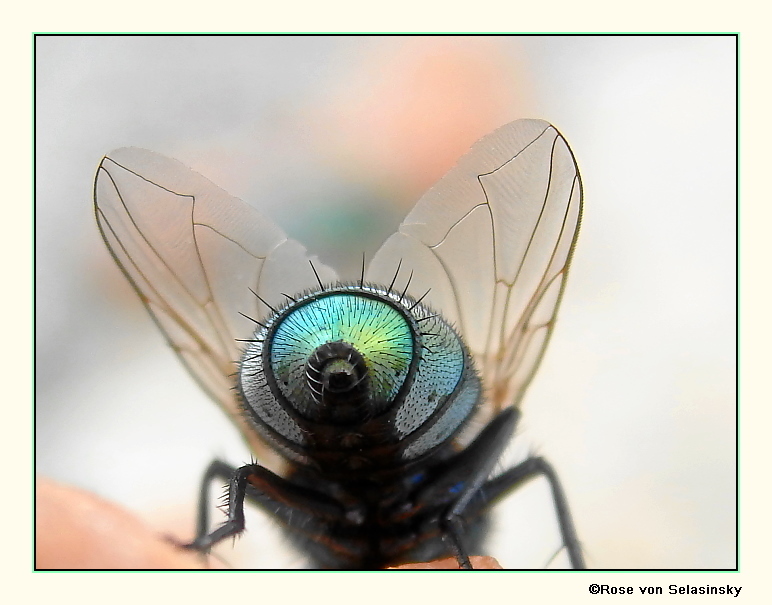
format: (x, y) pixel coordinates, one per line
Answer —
(492, 241)
(193, 253)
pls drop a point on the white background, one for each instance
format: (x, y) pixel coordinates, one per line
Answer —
(635, 401)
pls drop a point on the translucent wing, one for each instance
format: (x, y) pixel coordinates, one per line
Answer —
(492, 241)
(192, 253)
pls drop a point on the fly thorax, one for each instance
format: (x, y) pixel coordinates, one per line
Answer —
(357, 373)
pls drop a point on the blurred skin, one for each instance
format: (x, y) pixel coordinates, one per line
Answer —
(78, 530)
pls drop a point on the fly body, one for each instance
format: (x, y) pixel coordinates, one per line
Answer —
(371, 393)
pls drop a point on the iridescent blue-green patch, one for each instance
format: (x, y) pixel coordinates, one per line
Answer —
(378, 331)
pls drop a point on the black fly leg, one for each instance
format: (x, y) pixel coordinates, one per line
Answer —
(464, 477)
(509, 481)
(236, 492)
(308, 512)
(216, 470)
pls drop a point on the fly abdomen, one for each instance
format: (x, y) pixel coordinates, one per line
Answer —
(336, 375)
(357, 378)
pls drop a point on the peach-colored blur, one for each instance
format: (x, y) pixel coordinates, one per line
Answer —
(75, 529)
(410, 112)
